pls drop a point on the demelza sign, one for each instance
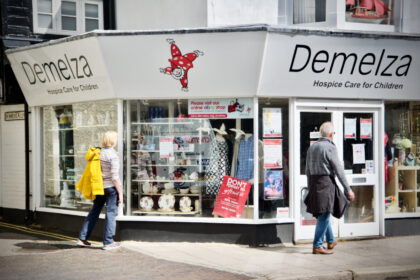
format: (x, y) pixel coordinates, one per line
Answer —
(341, 67)
(62, 69)
(68, 72)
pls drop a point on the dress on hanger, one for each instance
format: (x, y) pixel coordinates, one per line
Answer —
(218, 166)
(245, 165)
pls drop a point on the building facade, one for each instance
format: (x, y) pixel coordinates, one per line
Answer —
(213, 142)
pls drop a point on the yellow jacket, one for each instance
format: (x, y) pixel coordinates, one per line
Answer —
(91, 183)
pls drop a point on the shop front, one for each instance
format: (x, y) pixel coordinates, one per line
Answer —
(214, 125)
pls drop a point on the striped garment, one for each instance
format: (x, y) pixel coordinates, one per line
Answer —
(110, 166)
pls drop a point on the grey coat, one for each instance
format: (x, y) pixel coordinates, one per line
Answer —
(322, 159)
(322, 164)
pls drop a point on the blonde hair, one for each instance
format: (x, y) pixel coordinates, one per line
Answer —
(326, 129)
(109, 139)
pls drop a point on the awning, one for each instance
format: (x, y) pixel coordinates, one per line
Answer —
(220, 62)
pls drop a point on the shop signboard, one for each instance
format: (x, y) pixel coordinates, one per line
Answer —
(69, 72)
(221, 108)
(341, 66)
(232, 196)
(139, 65)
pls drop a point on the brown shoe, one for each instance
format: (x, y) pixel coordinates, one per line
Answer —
(332, 245)
(322, 251)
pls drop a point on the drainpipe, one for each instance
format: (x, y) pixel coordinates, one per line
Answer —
(27, 151)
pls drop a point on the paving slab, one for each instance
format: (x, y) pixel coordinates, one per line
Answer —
(367, 258)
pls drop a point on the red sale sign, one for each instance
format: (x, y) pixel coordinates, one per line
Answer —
(231, 198)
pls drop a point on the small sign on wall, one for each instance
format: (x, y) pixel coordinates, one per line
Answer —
(14, 116)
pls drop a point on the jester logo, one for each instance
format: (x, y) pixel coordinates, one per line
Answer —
(180, 64)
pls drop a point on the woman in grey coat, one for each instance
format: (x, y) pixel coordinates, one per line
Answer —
(322, 165)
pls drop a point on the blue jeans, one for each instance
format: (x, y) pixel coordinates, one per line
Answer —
(111, 199)
(323, 229)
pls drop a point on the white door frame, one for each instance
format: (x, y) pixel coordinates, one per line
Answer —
(297, 105)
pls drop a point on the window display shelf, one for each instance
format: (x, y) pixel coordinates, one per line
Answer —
(165, 181)
(174, 194)
(161, 123)
(62, 180)
(142, 212)
(82, 127)
(158, 151)
(62, 207)
(61, 129)
(62, 155)
(401, 167)
(166, 165)
(402, 193)
(95, 126)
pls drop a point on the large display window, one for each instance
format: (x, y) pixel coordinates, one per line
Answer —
(273, 154)
(68, 132)
(402, 151)
(179, 152)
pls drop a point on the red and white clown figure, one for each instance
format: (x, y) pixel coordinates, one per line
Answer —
(180, 64)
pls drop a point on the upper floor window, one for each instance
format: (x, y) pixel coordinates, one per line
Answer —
(68, 17)
(309, 11)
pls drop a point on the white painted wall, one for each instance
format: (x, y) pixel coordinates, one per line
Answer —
(237, 12)
(12, 160)
(160, 14)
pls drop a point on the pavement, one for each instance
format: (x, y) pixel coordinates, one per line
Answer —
(27, 253)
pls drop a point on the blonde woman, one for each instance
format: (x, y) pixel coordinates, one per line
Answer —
(113, 195)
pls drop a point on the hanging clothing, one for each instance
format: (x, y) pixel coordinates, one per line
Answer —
(388, 156)
(91, 183)
(235, 157)
(245, 165)
(218, 166)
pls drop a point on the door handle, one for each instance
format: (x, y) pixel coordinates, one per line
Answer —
(359, 180)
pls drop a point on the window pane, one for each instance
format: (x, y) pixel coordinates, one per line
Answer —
(45, 6)
(91, 24)
(310, 122)
(273, 153)
(68, 132)
(91, 11)
(68, 8)
(177, 164)
(45, 21)
(307, 11)
(68, 23)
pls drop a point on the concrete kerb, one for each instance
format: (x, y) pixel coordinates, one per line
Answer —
(339, 275)
(388, 272)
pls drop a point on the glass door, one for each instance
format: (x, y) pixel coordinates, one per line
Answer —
(356, 139)
(309, 122)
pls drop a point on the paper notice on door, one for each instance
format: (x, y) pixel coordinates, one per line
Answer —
(359, 154)
(365, 128)
(370, 167)
(350, 128)
(166, 147)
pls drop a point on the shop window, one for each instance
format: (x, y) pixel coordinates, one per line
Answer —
(68, 132)
(309, 11)
(180, 156)
(67, 17)
(402, 175)
(273, 154)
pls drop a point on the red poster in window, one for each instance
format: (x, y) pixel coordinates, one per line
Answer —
(232, 196)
